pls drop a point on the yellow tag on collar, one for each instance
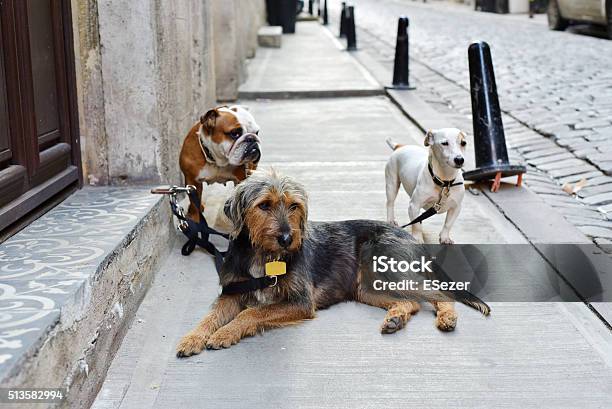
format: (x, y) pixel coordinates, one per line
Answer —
(276, 268)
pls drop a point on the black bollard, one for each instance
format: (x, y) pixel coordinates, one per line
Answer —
(310, 7)
(401, 73)
(325, 16)
(351, 35)
(489, 139)
(343, 20)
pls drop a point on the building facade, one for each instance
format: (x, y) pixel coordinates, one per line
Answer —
(101, 92)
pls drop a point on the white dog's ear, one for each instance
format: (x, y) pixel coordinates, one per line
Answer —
(429, 138)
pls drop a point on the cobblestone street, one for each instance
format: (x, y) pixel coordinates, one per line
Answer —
(555, 89)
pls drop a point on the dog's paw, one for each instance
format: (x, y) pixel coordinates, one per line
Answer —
(446, 240)
(446, 320)
(392, 324)
(191, 344)
(223, 338)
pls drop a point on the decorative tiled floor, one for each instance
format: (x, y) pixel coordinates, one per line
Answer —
(43, 266)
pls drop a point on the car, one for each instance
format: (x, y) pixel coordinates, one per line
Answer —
(561, 13)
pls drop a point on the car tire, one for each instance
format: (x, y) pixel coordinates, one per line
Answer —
(555, 19)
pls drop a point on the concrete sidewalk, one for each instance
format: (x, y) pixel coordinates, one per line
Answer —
(309, 64)
(526, 354)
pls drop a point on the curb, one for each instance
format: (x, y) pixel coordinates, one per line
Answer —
(425, 117)
(279, 95)
(510, 201)
(74, 349)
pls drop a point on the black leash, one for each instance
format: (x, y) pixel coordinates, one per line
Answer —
(197, 233)
(445, 185)
(425, 215)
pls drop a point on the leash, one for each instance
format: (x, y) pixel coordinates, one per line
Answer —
(197, 233)
(444, 192)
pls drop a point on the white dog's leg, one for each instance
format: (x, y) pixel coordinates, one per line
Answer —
(417, 229)
(392, 187)
(451, 216)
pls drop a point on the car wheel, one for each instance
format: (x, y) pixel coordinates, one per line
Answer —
(555, 20)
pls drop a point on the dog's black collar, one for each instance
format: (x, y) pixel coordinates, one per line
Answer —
(440, 182)
(208, 155)
(247, 286)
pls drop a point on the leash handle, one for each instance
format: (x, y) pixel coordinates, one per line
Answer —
(197, 233)
(172, 190)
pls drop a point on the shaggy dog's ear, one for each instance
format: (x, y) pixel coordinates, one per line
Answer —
(233, 211)
(227, 208)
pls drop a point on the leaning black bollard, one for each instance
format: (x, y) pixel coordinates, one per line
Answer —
(310, 8)
(401, 73)
(325, 16)
(343, 20)
(489, 139)
(351, 35)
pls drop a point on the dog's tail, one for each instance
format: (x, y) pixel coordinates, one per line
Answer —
(392, 144)
(469, 299)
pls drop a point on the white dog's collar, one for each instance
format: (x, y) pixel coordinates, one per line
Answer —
(442, 182)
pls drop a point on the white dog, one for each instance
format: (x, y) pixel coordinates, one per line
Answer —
(431, 177)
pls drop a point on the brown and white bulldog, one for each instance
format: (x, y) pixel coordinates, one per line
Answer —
(223, 147)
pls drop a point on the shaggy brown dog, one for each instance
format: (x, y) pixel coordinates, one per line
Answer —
(326, 263)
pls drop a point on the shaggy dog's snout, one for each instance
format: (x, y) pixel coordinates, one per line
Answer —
(284, 240)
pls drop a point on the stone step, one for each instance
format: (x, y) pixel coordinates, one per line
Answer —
(270, 36)
(70, 284)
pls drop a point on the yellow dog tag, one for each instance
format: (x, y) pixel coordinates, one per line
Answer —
(276, 268)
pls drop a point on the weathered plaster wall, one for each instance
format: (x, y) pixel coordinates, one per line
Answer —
(128, 37)
(235, 25)
(147, 72)
(90, 91)
(186, 75)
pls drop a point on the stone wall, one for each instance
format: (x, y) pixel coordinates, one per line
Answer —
(147, 70)
(233, 46)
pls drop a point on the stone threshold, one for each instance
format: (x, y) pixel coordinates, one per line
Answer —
(70, 284)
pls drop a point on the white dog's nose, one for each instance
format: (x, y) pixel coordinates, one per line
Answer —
(459, 160)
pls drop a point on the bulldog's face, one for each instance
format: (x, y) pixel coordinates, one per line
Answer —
(232, 135)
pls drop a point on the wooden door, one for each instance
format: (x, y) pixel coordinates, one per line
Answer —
(39, 150)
